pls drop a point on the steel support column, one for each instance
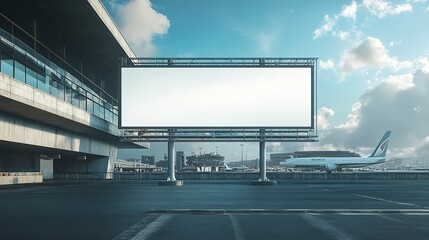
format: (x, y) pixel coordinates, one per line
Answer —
(262, 162)
(171, 161)
(263, 180)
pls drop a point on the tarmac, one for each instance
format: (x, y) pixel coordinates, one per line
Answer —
(216, 210)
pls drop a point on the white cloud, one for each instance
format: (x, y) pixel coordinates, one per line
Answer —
(423, 63)
(326, 27)
(353, 118)
(323, 116)
(342, 35)
(383, 8)
(392, 105)
(400, 82)
(350, 10)
(140, 23)
(369, 53)
(395, 43)
(328, 64)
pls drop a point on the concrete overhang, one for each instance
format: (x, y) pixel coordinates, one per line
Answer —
(90, 23)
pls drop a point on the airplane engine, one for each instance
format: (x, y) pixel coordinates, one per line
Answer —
(330, 167)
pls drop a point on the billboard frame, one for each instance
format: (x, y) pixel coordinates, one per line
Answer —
(221, 134)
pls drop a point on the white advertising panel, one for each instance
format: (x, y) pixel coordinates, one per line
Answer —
(243, 97)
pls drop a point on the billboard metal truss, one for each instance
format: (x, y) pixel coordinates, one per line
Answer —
(218, 135)
(217, 62)
(221, 134)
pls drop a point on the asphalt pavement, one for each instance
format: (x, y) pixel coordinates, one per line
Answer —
(215, 210)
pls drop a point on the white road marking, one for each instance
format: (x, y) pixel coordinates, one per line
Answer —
(357, 214)
(283, 211)
(391, 219)
(420, 214)
(152, 227)
(386, 200)
(144, 228)
(324, 226)
(238, 233)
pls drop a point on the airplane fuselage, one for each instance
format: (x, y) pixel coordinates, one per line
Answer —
(336, 163)
(332, 163)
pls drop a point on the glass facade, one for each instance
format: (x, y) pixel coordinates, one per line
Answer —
(21, 62)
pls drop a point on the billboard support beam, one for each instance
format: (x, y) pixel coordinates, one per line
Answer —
(171, 161)
(171, 158)
(262, 160)
(263, 180)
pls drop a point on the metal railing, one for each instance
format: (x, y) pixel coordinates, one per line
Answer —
(295, 176)
(23, 63)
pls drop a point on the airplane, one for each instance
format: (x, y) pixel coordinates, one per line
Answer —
(337, 163)
(239, 168)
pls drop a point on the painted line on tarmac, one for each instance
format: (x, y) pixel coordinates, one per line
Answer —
(388, 201)
(282, 211)
(238, 233)
(144, 228)
(417, 214)
(324, 226)
(152, 227)
(392, 219)
(358, 214)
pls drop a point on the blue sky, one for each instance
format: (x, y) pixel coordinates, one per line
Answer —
(363, 47)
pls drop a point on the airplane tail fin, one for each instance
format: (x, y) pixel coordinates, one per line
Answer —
(381, 149)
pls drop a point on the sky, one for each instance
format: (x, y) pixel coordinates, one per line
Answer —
(373, 67)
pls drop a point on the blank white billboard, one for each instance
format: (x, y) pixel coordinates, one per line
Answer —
(244, 97)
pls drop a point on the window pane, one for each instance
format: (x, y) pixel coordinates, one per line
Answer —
(90, 106)
(31, 77)
(7, 67)
(43, 83)
(19, 71)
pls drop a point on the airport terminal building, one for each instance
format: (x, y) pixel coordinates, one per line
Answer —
(59, 77)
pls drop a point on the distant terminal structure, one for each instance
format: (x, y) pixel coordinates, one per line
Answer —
(206, 162)
(276, 158)
(133, 165)
(148, 160)
(180, 160)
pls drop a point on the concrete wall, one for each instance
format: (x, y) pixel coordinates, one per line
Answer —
(24, 131)
(6, 180)
(17, 130)
(45, 166)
